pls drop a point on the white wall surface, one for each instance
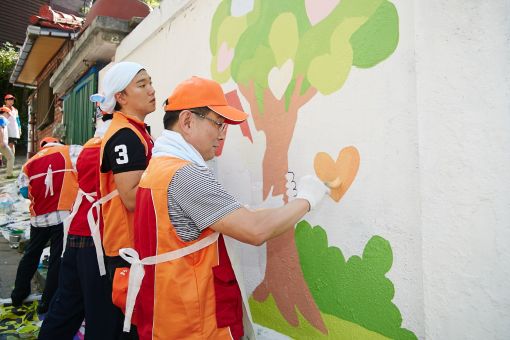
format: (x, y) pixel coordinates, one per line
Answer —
(463, 89)
(431, 124)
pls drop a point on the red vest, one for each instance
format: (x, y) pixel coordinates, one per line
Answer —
(87, 166)
(191, 297)
(53, 164)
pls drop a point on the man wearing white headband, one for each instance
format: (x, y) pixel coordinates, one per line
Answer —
(126, 149)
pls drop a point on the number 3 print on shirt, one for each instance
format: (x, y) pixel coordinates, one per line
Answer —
(123, 156)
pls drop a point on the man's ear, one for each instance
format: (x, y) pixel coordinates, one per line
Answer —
(185, 121)
(120, 98)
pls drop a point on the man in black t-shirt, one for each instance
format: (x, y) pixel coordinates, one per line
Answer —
(125, 152)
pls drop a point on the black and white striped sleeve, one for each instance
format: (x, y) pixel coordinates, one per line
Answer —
(197, 200)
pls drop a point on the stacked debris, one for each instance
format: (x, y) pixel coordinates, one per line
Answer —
(14, 216)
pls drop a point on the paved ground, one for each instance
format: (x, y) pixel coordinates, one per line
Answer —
(9, 258)
(8, 265)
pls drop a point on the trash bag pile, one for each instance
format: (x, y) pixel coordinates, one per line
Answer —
(14, 216)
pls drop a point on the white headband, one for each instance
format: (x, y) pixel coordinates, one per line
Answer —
(116, 79)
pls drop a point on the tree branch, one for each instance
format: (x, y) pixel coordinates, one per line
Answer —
(248, 91)
(304, 98)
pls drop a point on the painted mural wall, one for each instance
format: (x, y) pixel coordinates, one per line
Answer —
(331, 88)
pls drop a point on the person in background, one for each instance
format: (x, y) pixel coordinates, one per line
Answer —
(49, 180)
(83, 289)
(14, 126)
(4, 141)
(188, 286)
(126, 149)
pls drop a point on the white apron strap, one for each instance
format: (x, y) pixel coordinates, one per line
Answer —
(136, 271)
(74, 211)
(94, 228)
(48, 180)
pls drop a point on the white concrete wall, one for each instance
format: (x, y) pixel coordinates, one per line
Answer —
(431, 124)
(463, 90)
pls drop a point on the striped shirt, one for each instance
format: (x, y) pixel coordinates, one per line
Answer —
(196, 200)
(49, 219)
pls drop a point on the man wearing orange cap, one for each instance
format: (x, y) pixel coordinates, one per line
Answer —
(49, 180)
(14, 126)
(4, 141)
(188, 286)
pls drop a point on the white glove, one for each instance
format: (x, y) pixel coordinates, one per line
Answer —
(311, 189)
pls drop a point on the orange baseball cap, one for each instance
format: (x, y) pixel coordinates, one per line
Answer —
(199, 92)
(47, 140)
(5, 109)
(9, 96)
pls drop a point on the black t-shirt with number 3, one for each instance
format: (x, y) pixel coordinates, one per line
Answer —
(124, 152)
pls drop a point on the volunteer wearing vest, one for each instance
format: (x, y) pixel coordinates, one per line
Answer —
(14, 126)
(49, 180)
(83, 289)
(4, 141)
(188, 286)
(126, 149)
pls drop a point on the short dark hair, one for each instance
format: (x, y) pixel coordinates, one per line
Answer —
(117, 105)
(106, 117)
(171, 117)
(59, 141)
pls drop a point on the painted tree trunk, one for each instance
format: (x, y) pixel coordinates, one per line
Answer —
(283, 277)
(278, 128)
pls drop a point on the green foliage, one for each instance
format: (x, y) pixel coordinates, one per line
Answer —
(376, 40)
(355, 290)
(8, 57)
(322, 51)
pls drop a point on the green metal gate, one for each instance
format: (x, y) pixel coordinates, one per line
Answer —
(79, 111)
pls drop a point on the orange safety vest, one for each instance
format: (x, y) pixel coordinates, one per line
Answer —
(53, 182)
(118, 221)
(195, 296)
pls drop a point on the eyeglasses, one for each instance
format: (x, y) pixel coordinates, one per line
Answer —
(219, 125)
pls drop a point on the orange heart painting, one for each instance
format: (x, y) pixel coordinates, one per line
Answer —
(339, 174)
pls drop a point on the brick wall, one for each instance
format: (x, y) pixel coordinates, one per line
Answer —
(49, 130)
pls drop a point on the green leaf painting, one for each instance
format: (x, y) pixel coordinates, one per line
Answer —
(376, 40)
(354, 290)
(314, 37)
(354, 296)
